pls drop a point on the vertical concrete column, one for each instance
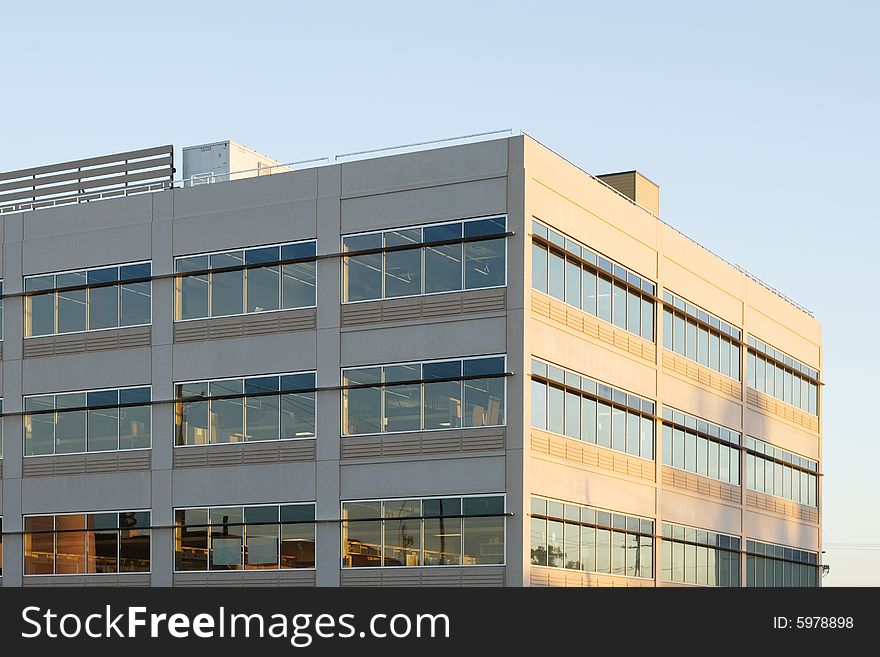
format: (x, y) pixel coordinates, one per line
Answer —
(659, 330)
(13, 440)
(327, 475)
(161, 377)
(518, 493)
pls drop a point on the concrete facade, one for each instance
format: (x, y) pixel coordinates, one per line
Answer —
(517, 177)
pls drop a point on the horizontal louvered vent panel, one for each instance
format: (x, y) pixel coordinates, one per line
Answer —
(674, 478)
(591, 455)
(129, 579)
(222, 328)
(248, 578)
(429, 442)
(688, 369)
(390, 577)
(543, 577)
(756, 500)
(60, 345)
(72, 464)
(250, 454)
(584, 324)
(425, 307)
(787, 412)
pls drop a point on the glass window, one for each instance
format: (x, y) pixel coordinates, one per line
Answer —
(103, 423)
(227, 535)
(70, 544)
(714, 351)
(679, 334)
(227, 287)
(262, 409)
(363, 273)
(192, 423)
(483, 401)
(191, 551)
(39, 545)
(588, 420)
(690, 340)
(604, 424)
(297, 535)
(263, 283)
(619, 305)
(193, 291)
(39, 429)
(70, 426)
(539, 404)
(403, 269)
(362, 406)
(72, 303)
(135, 298)
(443, 264)
(647, 319)
(442, 403)
(227, 415)
(402, 403)
(299, 279)
(402, 532)
(604, 298)
(103, 542)
(618, 429)
(485, 264)
(589, 284)
(572, 415)
(556, 284)
(103, 302)
(556, 410)
(134, 421)
(483, 537)
(443, 533)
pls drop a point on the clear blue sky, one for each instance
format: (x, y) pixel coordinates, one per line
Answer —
(758, 120)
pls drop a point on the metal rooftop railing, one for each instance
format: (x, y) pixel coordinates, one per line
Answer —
(357, 156)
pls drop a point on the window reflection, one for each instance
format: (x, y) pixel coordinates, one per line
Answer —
(571, 273)
(275, 407)
(94, 421)
(104, 300)
(433, 395)
(398, 271)
(234, 283)
(583, 538)
(257, 537)
(87, 543)
(449, 531)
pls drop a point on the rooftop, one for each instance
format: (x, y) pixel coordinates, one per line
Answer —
(152, 170)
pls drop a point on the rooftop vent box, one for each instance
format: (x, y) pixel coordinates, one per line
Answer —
(225, 160)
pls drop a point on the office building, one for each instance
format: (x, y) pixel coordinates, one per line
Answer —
(466, 364)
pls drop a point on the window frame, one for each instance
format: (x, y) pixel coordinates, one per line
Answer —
(84, 410)
(86, 514)
(54, 291)
(177, 276)
(463, 241)
(209, 571)
(421, 518)
(617, 275)
(244, 397)
(382, 385)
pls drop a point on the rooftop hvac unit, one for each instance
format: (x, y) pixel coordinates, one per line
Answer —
(225, 160)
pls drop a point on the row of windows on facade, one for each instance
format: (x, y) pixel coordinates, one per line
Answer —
(576, 537)
(447, 531)
(437, 395)
(270, 278)
(575, 406)
(433, 396)
(233, 282)
(572, 273)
